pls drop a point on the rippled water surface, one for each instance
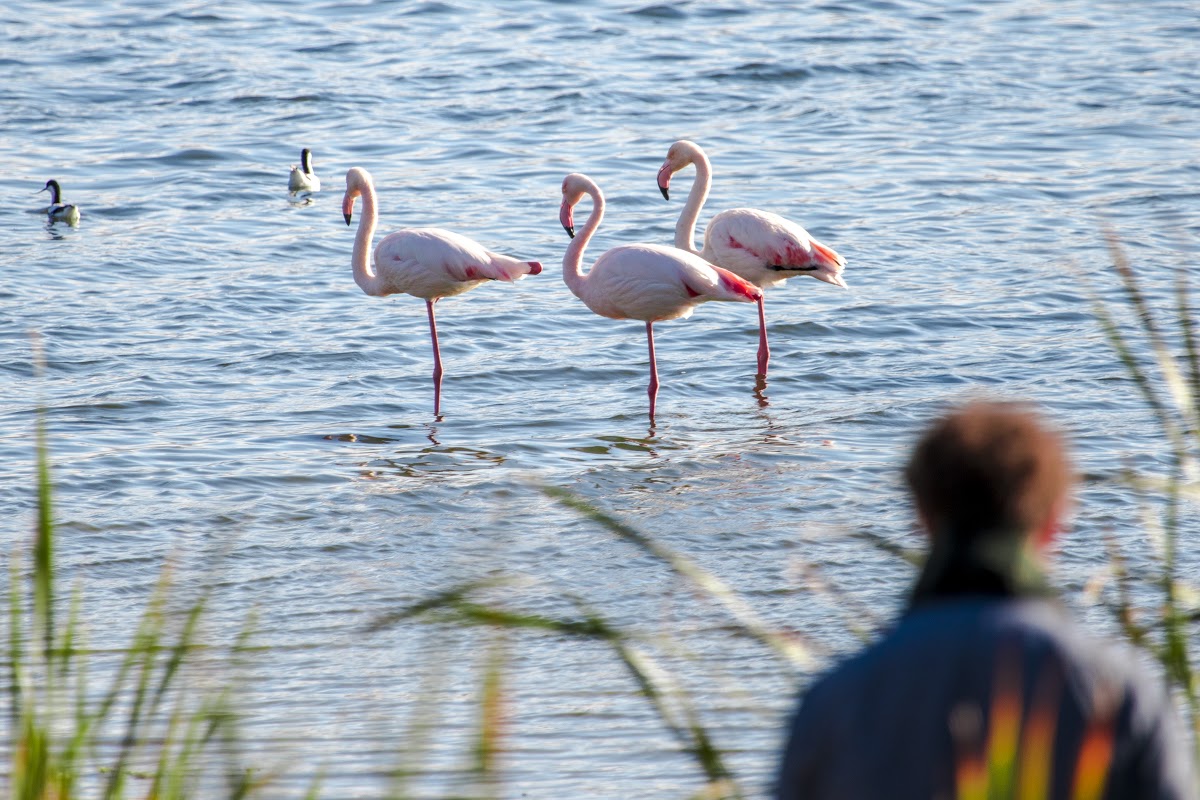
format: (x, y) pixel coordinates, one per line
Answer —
(216, 383)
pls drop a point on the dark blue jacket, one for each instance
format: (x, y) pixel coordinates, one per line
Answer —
(899, 719)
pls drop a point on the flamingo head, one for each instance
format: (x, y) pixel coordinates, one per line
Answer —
(679, 156)
(827, 265)
(356, 179)
(572, 192)
(830, 276)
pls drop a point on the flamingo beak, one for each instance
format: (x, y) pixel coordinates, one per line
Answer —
(664, 180)
(567, 218)
(347, 216)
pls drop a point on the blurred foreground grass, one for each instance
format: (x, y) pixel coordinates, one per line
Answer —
(162, 722)
(1156, 606)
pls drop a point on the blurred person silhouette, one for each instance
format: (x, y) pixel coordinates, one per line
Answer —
(984, 687)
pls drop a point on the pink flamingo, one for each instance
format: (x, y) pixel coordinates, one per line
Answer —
(429, 263)
(762, 247)
(646, 282)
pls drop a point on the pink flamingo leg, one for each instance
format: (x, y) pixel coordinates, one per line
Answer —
(764, 352)
(652, 390)
(437, 361)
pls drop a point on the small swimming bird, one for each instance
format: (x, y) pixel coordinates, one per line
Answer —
(57, 211)
(646, 282)
(762, 247)
(429, 263)
(302, 178)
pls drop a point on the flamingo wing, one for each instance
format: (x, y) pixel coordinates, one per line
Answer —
(651, 282)
(432, 262)
(766, 249)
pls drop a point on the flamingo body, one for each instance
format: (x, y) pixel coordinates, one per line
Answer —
(646, 282)
(651, 283)
(429, 263)
(302, 178)
(759, 246)
(766, 249)
(432, 263)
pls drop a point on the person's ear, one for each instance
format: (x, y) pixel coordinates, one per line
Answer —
(1044, 536)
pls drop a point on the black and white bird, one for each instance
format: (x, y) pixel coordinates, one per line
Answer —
(57, 210)
(303, 179)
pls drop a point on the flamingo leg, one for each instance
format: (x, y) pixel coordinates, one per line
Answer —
(652, 389)
(437, 361)
(764, 352)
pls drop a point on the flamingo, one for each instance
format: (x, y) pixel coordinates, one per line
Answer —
(429, 263)
(645, 282)
(302, 178)
(762, 247)
(56, 211)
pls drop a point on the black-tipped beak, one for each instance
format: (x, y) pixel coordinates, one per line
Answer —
(570, 229)
(664, 179)
(347, 216)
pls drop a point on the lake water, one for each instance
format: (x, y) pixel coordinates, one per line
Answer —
(216, 383)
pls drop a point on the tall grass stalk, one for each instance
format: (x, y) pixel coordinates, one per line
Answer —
(663, 689)
(488, 739)
(69, 733)
(666, 696)
(1170, 628)
(414, 746)
(744, 616)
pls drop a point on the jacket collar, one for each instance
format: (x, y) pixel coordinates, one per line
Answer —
(990, 564)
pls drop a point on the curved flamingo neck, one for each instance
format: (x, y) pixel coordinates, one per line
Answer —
(364, 273)
(685, 228)
(573, 258)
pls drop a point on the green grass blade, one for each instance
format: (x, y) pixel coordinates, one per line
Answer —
(787, 647)
(71, 665)
(647, 675)
(692, 736)
(424, 719)
(16, 654)
(885, 545)
(1190, 346)
(1117, 341)
(170, 762)
(1177, 388)
(491, 718)
(43, 550)
(179, 652)
(314, 788)
(444, 598)
(147, 645)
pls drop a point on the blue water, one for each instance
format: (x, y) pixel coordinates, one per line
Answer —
(220, 392)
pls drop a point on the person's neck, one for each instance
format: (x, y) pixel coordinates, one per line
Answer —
(985, 564)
